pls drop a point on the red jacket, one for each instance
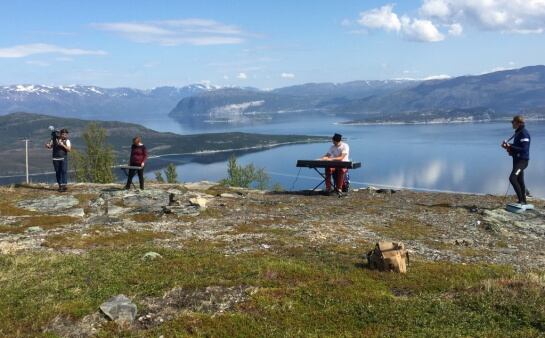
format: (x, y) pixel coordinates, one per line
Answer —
(139, 154)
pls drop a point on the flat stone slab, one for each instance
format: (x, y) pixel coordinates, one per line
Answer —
(149, 199)
(529, 220)
(182, 210)
(203, 185)
(50, 204)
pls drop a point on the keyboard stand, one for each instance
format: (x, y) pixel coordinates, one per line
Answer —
(323, 180)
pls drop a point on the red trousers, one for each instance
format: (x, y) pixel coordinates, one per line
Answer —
(339, 177)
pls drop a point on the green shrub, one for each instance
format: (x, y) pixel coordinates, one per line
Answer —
(96, 162)
(245, 176)
(170, 173)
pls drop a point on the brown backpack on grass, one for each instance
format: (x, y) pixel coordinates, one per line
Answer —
(389, 256)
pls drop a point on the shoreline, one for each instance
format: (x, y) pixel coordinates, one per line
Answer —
(396, 123)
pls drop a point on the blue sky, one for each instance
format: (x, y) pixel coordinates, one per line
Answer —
(266, 44)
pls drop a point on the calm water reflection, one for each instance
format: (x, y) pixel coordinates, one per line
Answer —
(456, 157)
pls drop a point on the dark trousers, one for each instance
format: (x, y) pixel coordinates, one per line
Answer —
(132, 172)
(517, 179)
(61, 171)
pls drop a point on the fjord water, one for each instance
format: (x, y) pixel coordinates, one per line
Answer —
(463, 157)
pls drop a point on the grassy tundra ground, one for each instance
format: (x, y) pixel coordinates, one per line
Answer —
(274, 264)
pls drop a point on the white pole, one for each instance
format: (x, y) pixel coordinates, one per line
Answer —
(26, 159)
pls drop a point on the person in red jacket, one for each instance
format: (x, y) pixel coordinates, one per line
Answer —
(139, 155)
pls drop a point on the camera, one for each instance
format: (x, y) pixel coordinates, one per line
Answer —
(55, 134)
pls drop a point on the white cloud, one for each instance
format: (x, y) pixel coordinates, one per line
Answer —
(287, 75)
(226, 77)
(410, 28)
(242, 76)
(420, 30)
(380, 18)
(455, 29)
(20, 51)
(514, 16)
(191, 31)
(435, 8)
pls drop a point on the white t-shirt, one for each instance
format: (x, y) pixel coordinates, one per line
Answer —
(343, 148)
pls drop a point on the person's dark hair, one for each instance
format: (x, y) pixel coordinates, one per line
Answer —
(519, 119)
(337, 137)
(64, 131)
(136, 138)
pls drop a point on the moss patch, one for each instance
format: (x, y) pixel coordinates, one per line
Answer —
(314, 292)
(44, 221)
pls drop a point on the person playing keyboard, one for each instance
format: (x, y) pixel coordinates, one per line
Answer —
(339, 151)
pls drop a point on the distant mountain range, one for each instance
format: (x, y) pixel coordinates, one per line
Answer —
(240, 104)
(93, 102)
(465, 98)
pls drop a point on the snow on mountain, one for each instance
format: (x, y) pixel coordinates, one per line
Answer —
(93, 101)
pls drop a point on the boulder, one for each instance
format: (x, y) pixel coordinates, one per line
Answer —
(77, 212)
(150, 200)
(198, 201)
(119, 308)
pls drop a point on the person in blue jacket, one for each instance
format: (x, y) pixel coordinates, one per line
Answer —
(520, 151)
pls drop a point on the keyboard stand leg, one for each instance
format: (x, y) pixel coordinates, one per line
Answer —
(322, 182)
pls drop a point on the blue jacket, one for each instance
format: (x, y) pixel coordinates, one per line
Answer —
(520, 148)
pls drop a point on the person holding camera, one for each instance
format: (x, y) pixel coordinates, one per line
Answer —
(60, 144)
(139, 155)
(520, 151)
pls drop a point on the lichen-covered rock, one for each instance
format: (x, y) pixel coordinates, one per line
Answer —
(150, 200)
(182, 210)
(531, 221)
(50, 204)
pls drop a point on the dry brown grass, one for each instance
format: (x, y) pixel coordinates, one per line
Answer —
(145, 217)
(103, 239)
(407, 228)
